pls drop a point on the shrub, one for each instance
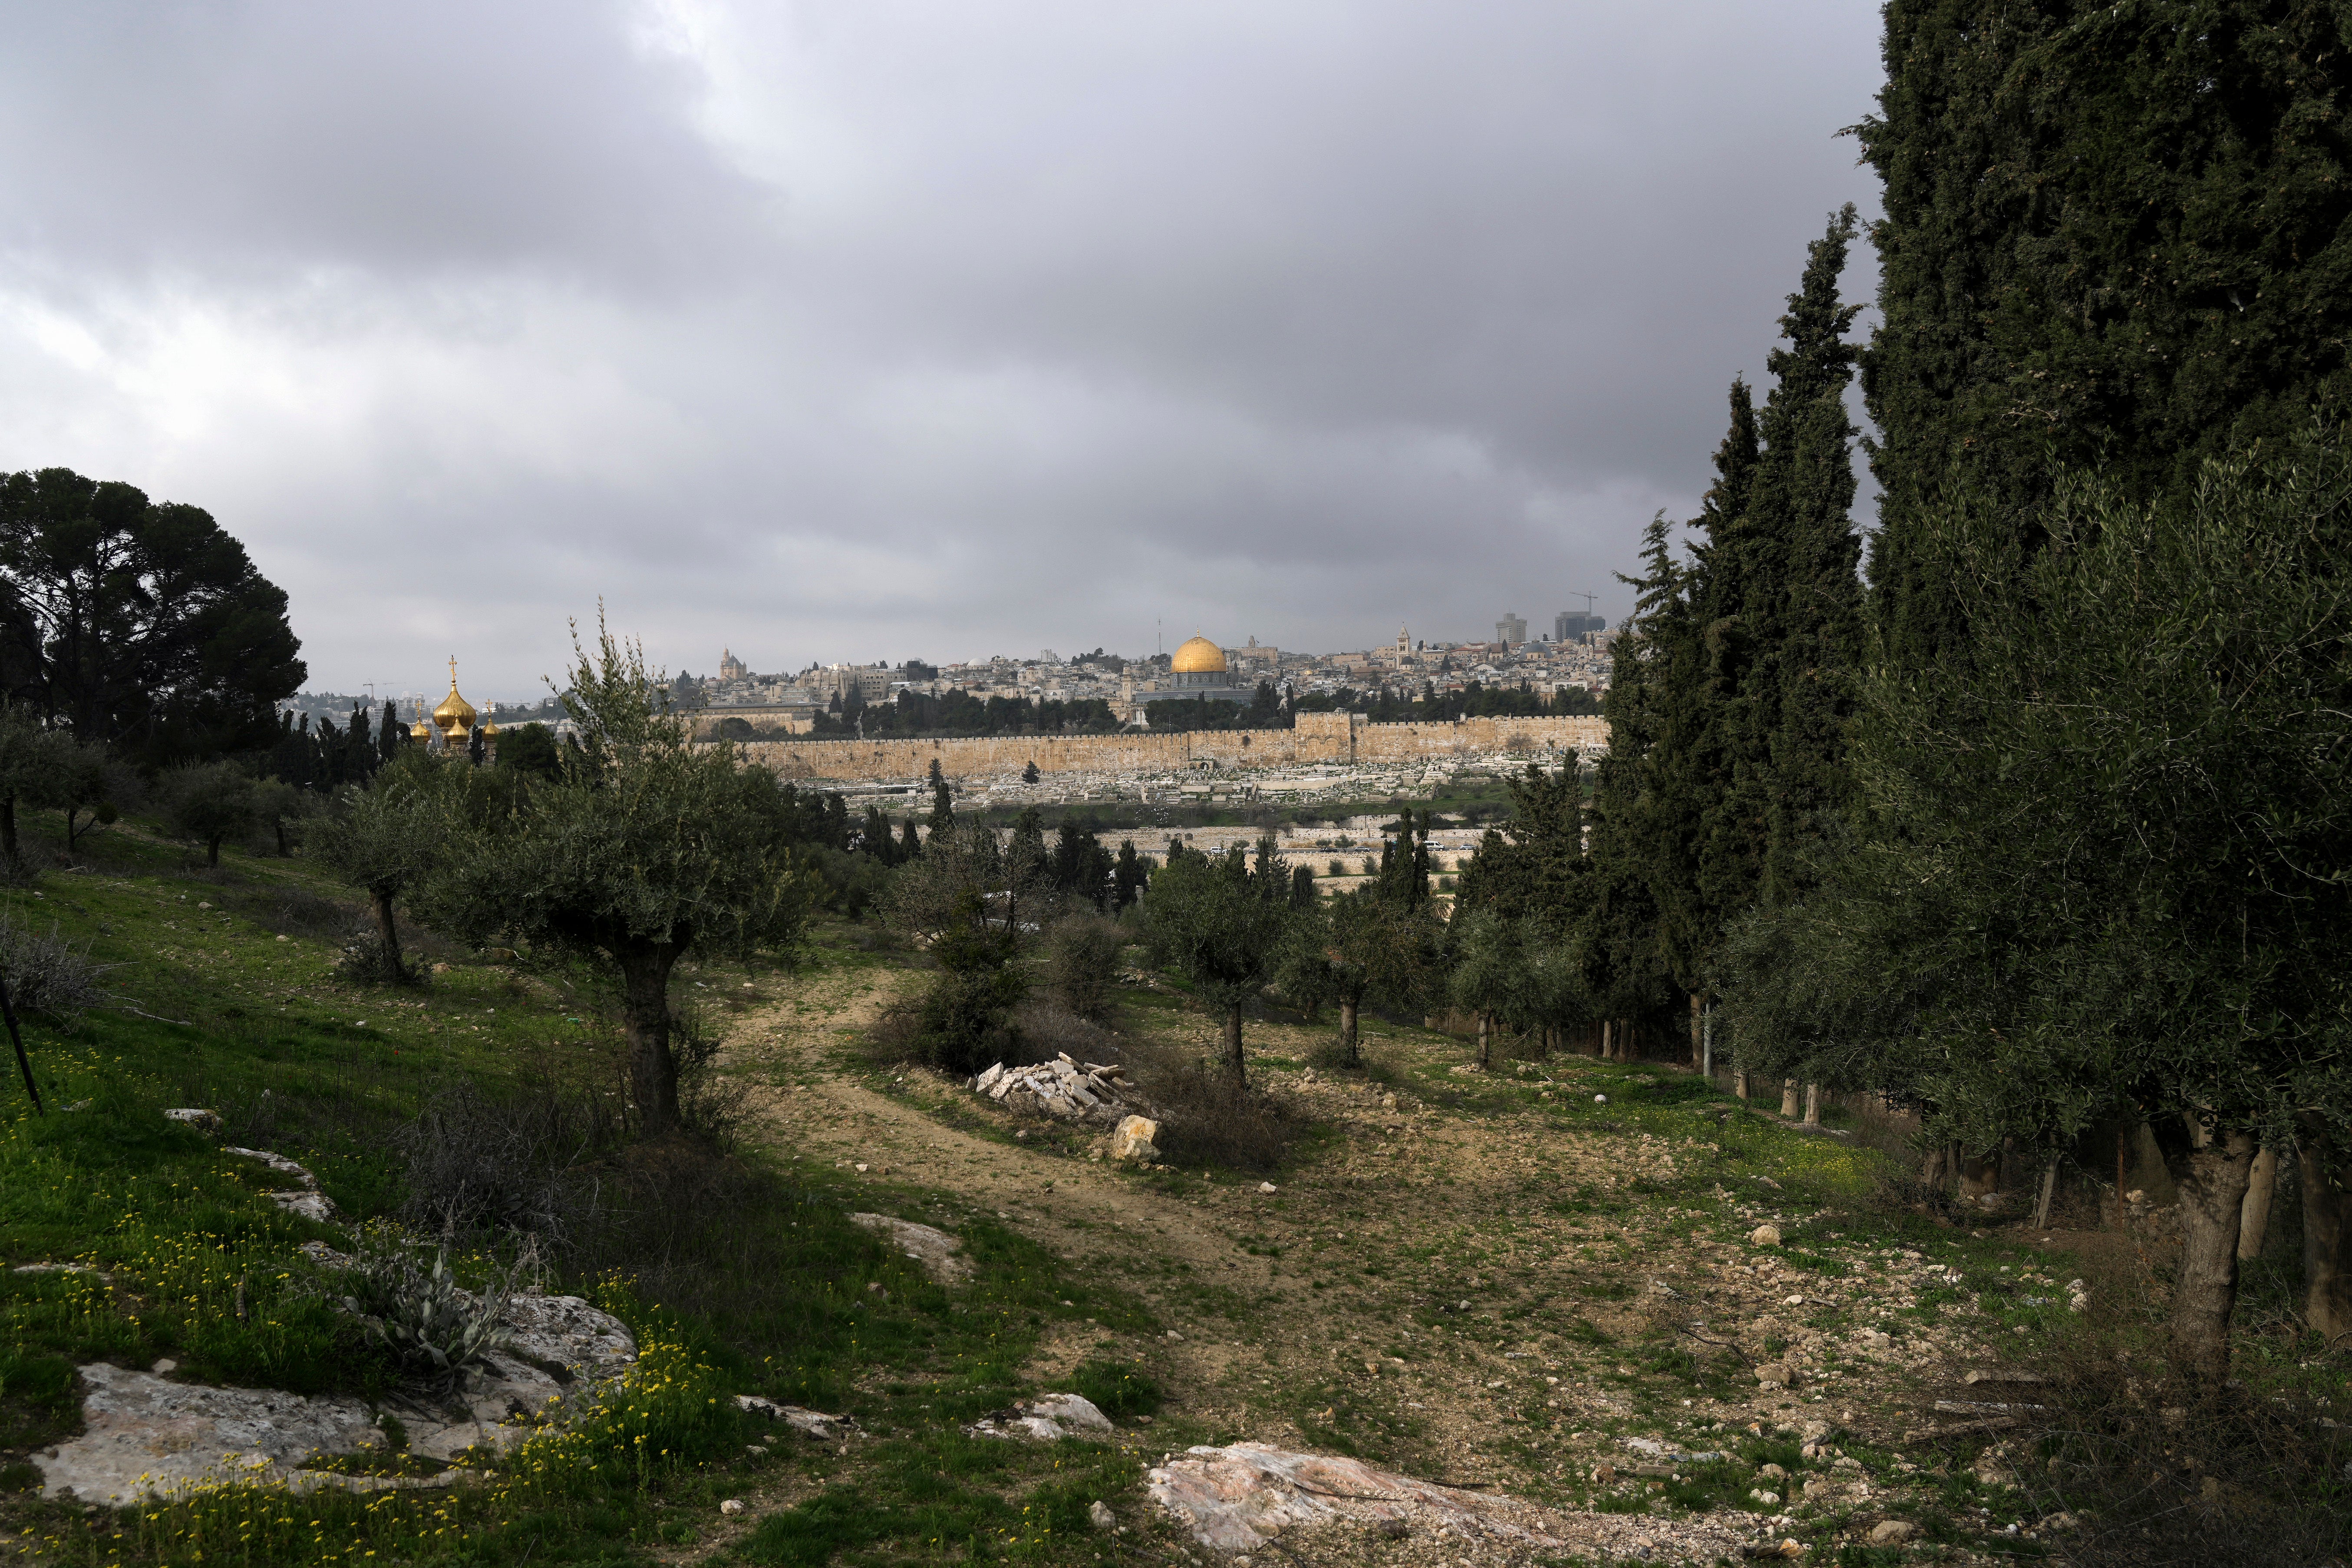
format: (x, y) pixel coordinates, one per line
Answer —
(1208, 1118)
(1339, 867)
(521, 1164)
(847, 883)
(1082, 955)
(962, 1022)
(48, 974)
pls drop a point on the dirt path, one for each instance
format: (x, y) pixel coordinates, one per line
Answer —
(1487, 1279)
(791, 1055)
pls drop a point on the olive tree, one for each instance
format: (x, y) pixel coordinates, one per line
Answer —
(2100, 869)
(30, 759)
(1223, 927)
(644, 846)
(1359, 947)
(207, 801)
(380, 838)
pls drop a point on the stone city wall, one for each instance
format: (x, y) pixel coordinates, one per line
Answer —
(1318, 738)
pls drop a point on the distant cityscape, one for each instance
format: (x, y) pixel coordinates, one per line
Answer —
(1573, 653)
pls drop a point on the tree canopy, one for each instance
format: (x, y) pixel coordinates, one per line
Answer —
(138, 624)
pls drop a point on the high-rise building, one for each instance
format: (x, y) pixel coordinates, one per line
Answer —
(1512, 629)
(1575, 625)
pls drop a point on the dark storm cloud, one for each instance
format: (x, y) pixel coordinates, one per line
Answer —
(879, 330)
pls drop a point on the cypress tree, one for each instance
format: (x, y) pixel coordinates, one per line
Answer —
(1127, 876)
(1616, 940)
(2113, 233)
(942, 804)
(1802, 510)
(1729, 856)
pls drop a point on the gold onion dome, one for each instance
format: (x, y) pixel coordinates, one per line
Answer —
(454, 712)
(1199, 656)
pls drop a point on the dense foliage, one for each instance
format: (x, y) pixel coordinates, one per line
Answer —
(137, 624)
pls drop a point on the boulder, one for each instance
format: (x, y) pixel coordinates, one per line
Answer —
(566, 1331)
(1074, 1411)
(208, 1123)
(1892, 1532)
(1776, 1375)
(1765, 1235)
(1048, 1418)
(1132, 1140)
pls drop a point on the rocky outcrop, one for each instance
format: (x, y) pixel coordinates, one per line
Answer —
(1074, 1090)
(940, 1255)
(147, 1435)
(305, 1199)
(1239, 1498)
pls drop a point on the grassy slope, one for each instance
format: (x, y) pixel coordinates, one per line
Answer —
(220, 1013)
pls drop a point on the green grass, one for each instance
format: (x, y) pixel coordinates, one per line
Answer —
(182, 1254)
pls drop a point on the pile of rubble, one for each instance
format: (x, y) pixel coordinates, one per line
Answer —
(1076, 1091)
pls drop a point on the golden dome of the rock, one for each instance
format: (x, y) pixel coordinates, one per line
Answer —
(1199, 656)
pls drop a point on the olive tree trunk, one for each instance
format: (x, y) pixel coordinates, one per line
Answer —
(387, 933)
(2326, 1234)
(2254, 1219)
(1486, 1029)
(645, 1017)
(2213, 1185)
(1788, 1098)
(9, 827)
(1347, 1051)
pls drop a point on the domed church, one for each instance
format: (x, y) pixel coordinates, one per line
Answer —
(451, 729)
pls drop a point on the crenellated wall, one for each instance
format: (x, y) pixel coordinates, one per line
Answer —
(1318, 738)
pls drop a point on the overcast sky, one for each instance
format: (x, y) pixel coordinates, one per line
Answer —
(869, 328)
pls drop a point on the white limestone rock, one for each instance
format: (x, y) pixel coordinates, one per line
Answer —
(940, 1255)
(144, 1437)
(1132, 1139)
